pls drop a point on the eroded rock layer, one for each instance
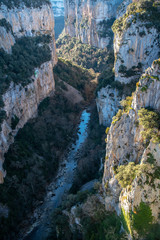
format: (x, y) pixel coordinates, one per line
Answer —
(20, 101)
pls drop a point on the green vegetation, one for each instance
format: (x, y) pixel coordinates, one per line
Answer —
(98, 60)
(6, 25)
(78, 77)
(154, 232)
(33, 159)
(135, 70)
(27, 55)
(126, 221)
(146, 11)
(150, 121)
(103, 227)
(117, 117)
(127, 173)
(81, 54)
(2, 117)
(150, 158)
(126, 104)
(28, 3)
(14, 122)
(142, 219)
(105, 28)
(107, 78)
(97, 224)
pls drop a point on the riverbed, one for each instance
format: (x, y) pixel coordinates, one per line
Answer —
(59, 186)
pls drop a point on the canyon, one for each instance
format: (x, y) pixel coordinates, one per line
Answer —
(106, 60)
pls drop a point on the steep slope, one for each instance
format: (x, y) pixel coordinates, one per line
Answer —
(136, 45)
(27, 60)
(90, 20)
(131, 174)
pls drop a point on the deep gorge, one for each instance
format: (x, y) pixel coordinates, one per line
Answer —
(79, 120)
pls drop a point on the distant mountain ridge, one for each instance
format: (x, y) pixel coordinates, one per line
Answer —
(58, 7)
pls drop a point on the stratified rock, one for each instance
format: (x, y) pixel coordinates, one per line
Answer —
(91, 20)
(22, 101)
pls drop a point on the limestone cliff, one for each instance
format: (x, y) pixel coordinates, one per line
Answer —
(108, 102)
(90, 20)
(7, 39)
(136, 45)
(21, 99)
(136, 41)
(131, 140)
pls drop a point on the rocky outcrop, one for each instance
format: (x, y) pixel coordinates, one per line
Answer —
(108, 102)
(122, 8)
(21, 102)
(7, 39)
(125, 143)
(136, 44)
(90, 20)
(31, 22)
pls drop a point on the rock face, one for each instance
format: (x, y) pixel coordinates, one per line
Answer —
(91, 20)
(31, 22)
(123, 7)
(108, 102)
(21, 102)
(136, 45)
(7, 39)
(125, 144)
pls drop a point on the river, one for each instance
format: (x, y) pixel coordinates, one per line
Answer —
(60, 185)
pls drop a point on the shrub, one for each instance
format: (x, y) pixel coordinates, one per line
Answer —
(2, 117)
(105, 28)
(150, 121)
(126, 103)
(14, 122)
(127, 173)
(117, 117)
(5, 24)
(142, 218)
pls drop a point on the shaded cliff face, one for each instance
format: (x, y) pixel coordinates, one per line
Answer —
(126, 142)
(108, 102)
(20, 101)
(91, 21)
